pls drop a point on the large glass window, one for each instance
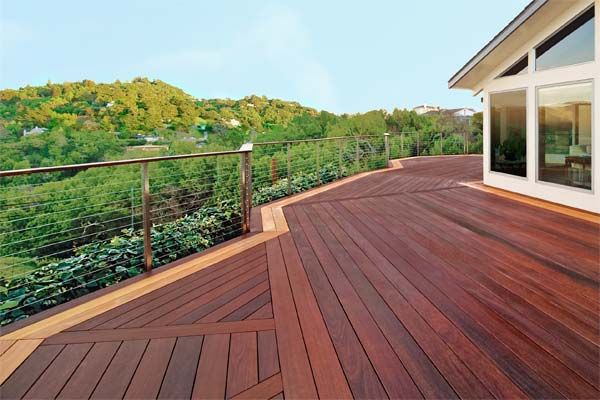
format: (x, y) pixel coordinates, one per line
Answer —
(573, 44)
(519, 68)
(508, 116)
(565, 135)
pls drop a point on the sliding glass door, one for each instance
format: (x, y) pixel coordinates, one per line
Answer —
(565, 135)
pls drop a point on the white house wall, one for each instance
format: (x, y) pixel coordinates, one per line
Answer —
(574, 197)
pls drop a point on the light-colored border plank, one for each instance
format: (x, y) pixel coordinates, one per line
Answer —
(571, 212)
(15, 355)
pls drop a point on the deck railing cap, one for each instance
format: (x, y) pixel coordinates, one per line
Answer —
(246, 147)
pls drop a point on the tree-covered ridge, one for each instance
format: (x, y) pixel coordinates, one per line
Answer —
(256, 112)
(139, 106)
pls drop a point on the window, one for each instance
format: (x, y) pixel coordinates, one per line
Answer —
(573, 44)
(519, 68)
(508, 116)
(565, 135)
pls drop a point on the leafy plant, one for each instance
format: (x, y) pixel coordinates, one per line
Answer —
(513, 148)
(101, 264)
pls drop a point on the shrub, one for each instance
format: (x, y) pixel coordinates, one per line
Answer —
(98, 265)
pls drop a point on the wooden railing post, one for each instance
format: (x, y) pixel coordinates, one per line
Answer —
(147, 223)
(317, 150)
(466, 143)
(289, 169)
(386, 142)
(246, 185)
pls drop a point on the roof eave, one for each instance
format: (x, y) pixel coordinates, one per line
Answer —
(519, 20)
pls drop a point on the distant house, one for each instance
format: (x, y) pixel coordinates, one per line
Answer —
(110, 104)
(424, 108)
(465, 113)
(538, 79)
(148, 139)
(35, 131)
(234, 123)
(460, 113)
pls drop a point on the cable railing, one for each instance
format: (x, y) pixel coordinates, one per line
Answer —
(283, 168)
(415, 143)
(66, 231)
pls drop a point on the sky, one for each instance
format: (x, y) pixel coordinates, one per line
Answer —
(343, 56)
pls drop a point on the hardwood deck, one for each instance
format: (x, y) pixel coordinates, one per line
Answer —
(400, 284)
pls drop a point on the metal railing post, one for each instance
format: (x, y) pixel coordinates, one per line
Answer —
(386, 142)
(402, 145)
(466, 143)
(289, 169)
(418, 143)
(317, 150)
(246, 185)
(357, 161)
(340, 172)
(147, 223)
(442, 143)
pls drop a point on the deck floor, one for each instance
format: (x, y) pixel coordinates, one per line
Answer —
(402, 284)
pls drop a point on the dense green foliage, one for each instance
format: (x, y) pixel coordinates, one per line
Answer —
(66, 234)
(100, 264)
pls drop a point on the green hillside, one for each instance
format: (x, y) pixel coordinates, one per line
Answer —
(139, 106)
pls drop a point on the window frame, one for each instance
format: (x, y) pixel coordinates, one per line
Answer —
(592, 189)
(548, 37)
(489, 128)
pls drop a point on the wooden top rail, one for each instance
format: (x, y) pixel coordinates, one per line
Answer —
(73, 167)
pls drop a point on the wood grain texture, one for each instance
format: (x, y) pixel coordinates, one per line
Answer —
(15, 355)
(403, 283)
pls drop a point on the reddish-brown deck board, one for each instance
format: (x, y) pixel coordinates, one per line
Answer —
(492, 274)
(117, 376)
(181, 372)
(131, 309)
(420, 368)
(401, 283)
(436, 270)
(327, 371)
(211, 376)
(50, 383)
(295, 367)
(358, 369)
(242, 373)
(268, 360)
(148, 377)
(473, 326)
(387, 344)
(28, 372)
(87, 375)
(265, 312)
